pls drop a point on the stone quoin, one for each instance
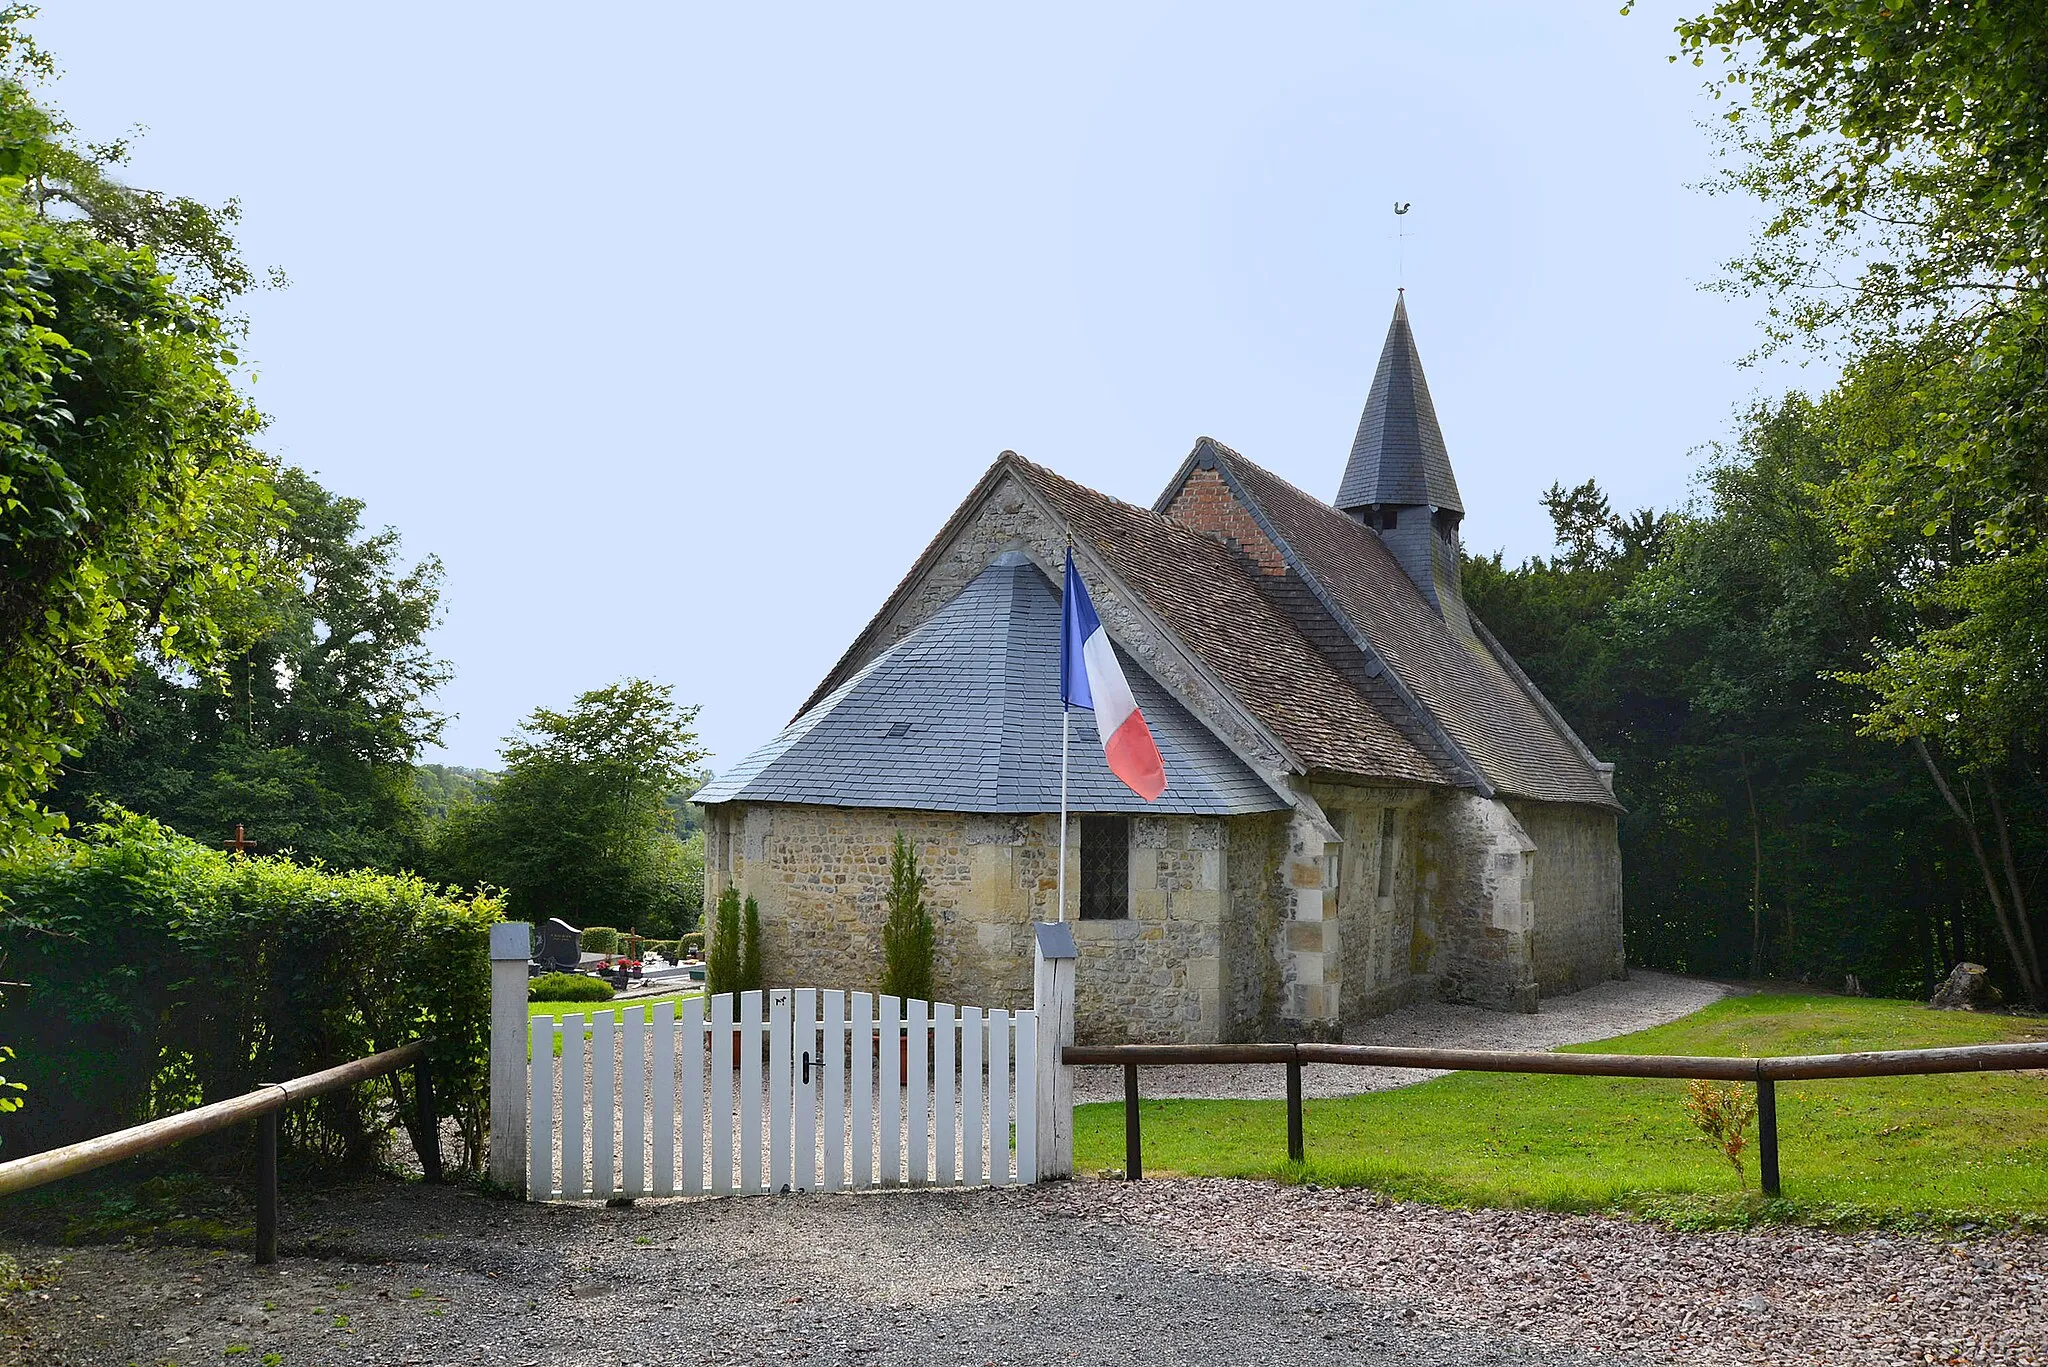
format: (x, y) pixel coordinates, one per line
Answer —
(1368, 802)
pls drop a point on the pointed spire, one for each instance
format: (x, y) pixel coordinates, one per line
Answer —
(1398, 458)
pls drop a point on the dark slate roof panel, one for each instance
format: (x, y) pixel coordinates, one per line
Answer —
(963, 714)
(1398, 456)
(1497, 722)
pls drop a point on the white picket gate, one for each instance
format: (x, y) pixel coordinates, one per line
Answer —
(673, 1100)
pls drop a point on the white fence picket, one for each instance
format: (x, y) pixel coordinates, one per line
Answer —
(604, 1115)
(916, 1113)
(945, 1095)
(972, 1133)
(889, 1044)
(692, 1087)
(778, 1091)
(724, 1060)
(750, 1092)
(664, 1099)
(1027, 1097)
(803, 1045)
(998, 1097)
(861, 1078)
(540, 1139)
(834, 1047)
(633, 1100)
(575, 1110)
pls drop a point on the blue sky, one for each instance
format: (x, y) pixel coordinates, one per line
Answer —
(676, 330)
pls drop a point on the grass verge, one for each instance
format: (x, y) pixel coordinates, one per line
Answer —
(1913, 1152)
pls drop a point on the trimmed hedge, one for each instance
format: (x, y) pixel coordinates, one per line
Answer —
(601, 939)
(569, 987)
(692, 945)
(162, 974)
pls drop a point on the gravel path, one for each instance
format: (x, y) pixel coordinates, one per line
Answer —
(1644, 999)
(1195, 1272)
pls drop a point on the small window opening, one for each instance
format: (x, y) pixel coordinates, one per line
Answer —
(1390, 518)
(1333, 866)
(1386, 851)
(1105, 868)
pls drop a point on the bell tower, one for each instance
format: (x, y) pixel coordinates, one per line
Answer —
(1398, 481)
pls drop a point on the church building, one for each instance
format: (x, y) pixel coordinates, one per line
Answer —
(1368, 802)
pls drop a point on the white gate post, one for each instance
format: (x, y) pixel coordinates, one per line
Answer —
(511, 947)
(1053, 998)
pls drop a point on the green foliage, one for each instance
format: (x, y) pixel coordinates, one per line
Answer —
(444, 787)
(750, 979)
(135, 508)
(909, 939)
(309, 731)
(569, 987)
(163, 974)
(1723, 1112)
(1908, 1152)
(722, 965)
(692, 944)
(601, 939)
(579, 823)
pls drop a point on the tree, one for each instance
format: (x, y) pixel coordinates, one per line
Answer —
(579, 825)
(1902, 150)
(908, 936)
(722, 956)
(133, 502)
(309, 731)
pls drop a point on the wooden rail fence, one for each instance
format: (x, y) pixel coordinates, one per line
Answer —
(1766, 1073)
(261, 1106)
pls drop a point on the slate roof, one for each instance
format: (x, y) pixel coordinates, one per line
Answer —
(963, 715)
(1488, 710)
(1398, 456)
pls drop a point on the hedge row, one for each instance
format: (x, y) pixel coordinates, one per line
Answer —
(161, 974)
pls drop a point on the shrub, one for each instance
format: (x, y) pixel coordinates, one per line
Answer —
(1722, 1111)
(600, 939)
(909, 940)
(722, 966)
(692, 945)
(161, 974)
(568, 987)
(750, 950)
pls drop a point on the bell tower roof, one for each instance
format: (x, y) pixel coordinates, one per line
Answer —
(1398, 458)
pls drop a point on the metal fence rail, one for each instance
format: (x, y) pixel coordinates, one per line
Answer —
(261, 1106)
(1766, 1073)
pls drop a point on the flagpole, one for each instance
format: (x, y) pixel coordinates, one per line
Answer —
(1066, 723)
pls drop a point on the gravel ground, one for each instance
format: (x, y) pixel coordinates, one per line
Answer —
(1170, 1272)
(1644, 999)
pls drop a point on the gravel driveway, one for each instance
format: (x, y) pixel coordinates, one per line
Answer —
(1157, 1272)
(1644, 999)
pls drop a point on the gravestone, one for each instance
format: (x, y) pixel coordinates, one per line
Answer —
(561, 947)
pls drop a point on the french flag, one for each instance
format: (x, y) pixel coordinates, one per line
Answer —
(1090, 677)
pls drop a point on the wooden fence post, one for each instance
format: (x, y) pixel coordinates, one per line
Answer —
(511, 947)
(1053, 997)
(1295, 1149)
(1767, 1134)
(266, 1188)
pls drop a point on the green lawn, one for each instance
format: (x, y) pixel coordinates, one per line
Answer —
(589, 1009)
(560, 1009)
(1904, 1151)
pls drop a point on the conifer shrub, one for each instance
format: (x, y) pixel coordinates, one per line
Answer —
(161, 974)
(750, 950)
(909, 939)
(722, 962)
(1722, 1111)
(569, 987)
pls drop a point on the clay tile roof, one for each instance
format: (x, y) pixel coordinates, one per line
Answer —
(1494, 716)
(1205, 594)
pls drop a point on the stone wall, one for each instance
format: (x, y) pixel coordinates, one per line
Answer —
(1475, 874)
(821, 878)
(1388, 942)
(1578, 895)
(1252, 862)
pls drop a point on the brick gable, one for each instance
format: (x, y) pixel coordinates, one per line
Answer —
(1206, 504)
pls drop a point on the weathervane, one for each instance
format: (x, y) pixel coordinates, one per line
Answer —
(1401, 244)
